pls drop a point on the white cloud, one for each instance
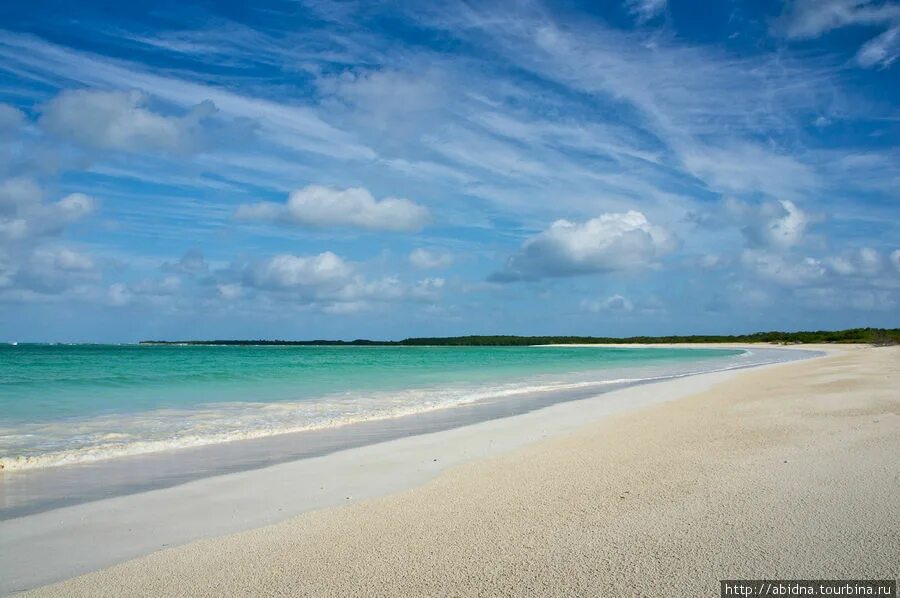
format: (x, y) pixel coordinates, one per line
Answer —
(325, 282)
(857, 279)
(121, 120)
(157, 292)
(427, 289)
(69, 260)
(192, 263)
(747, 168)
(230, 290)
(119, 294)
(319, 206)
(806, 19)
(32, 265)
(304, 273)
(707, 261)
(832, 298)
(645, 10)
(18, 193)
(858, 262)
(10, 117)
(895, 259)
(882, 50)
(24, 215)
(390, 100)
(169, 285)
(617, 241)
(52, 270)
(288, 125)
(777, 225)
(784, 270)
(344, 308)
(425, 259)
(383, 289)
(614, 303)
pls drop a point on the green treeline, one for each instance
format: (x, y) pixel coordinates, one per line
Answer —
(878, 336)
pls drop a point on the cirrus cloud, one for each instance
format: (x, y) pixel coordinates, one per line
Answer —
(808, 19)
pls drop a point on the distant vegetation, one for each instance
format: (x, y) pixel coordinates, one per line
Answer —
(875, 336)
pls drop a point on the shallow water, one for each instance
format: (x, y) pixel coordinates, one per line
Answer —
(79, 403)
(183, 439)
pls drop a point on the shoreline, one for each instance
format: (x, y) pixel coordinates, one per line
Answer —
(130, 444)
(32, 490)
(242, 501)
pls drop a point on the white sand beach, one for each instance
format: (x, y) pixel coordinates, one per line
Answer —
(785, 471)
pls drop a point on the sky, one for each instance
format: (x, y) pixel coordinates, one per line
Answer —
(305, 169)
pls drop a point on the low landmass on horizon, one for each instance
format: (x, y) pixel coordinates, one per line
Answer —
(876, 336)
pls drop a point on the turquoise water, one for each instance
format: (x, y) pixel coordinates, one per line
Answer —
(75, 403)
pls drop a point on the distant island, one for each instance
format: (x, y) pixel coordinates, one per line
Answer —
(875, 336)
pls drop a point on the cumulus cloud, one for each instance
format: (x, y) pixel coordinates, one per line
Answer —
(191, 263)
(10, 117)
(706, 261)
(427, 289)
(304, 273)
(231, 290)
(319, 206)
(860, 279)
(775, 224)
(32, 263)
(17, 193)
(119, 294)
(843, 299)
(150, 290)
(864, 261)
(784, 270)
(322, 281)
(51, 270)
(389, 100)
(615, 303)
(25, 215)
(346, 308)
(425, 259)
(121, 120)
(610, 242)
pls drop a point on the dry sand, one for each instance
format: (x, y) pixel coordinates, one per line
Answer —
(785, 472)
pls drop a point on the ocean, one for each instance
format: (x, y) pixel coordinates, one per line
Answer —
(79, 422)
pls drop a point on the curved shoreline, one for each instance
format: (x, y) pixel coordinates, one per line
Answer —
(30, 491)
(84, 439)
(129, 526)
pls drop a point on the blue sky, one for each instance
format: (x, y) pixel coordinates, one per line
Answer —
(308, 169)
